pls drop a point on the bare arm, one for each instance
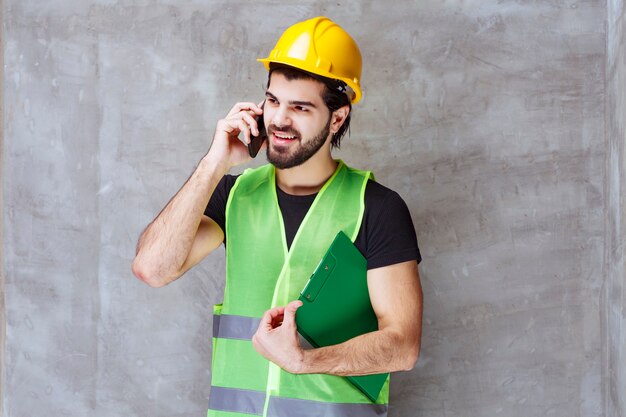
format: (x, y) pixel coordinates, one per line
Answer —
(396, 296)
(181, 235)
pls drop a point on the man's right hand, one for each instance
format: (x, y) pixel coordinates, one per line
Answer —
(181, 235)
(227, 149)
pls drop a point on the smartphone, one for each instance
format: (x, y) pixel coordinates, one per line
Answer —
(257, 141)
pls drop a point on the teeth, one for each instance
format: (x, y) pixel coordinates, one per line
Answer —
(284, 136)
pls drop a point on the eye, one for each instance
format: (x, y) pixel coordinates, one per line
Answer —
(271, 100)
(301, 108)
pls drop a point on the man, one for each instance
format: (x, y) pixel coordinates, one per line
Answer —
(276, 222)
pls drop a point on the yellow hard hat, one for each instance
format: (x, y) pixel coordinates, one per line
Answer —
(322, 47)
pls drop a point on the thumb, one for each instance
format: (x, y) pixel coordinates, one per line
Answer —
(290, 312)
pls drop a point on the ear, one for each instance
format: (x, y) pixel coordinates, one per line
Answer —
(338, 118)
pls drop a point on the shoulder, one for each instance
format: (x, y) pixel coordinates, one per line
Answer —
(387, 235)
(217, 202)
(378, 196)
(227, 183)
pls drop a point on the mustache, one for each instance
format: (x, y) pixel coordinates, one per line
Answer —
(286, 130)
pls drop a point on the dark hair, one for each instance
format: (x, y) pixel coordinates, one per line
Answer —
(334, 94)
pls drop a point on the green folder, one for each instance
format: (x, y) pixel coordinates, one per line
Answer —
(336, 305)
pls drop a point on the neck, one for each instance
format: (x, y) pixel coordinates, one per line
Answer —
(309, 177)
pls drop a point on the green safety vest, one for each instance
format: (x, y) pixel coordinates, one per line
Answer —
(262, 273)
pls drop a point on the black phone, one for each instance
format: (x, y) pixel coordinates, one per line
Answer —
(257, 141)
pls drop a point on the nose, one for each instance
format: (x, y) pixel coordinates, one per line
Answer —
(280, 118)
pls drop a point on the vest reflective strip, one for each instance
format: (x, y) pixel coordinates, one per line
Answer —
(237, 400)
(235, 327)
(242, 328)
(251, 402)
(286, 407)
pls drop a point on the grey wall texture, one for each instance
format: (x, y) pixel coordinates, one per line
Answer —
(500, 123)
(2, 307)
(614, 294)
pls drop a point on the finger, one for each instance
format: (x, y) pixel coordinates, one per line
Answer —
(241, 106)
(244, 128)
(290, 312)
(254, 126)
(265, 325)
(278, 321)
(276, 313)
(258, 109)
(242, 122)
(245, 106)
(227, 126)
(267, 321)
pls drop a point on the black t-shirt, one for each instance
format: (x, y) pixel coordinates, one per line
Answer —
(386, 236)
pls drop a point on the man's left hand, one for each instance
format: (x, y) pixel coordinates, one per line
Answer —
(277, 339)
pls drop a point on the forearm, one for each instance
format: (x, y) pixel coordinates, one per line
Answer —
(165, 244)
(372, 353)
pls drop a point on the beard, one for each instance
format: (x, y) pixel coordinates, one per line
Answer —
(285, 157)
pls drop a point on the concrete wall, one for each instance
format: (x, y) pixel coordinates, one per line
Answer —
(614, 294)
(2, 306)
(488, 117)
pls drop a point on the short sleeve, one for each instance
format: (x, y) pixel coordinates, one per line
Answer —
(387, 235)
(216, 208)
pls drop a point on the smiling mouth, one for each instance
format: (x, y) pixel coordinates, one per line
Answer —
(283, 136)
